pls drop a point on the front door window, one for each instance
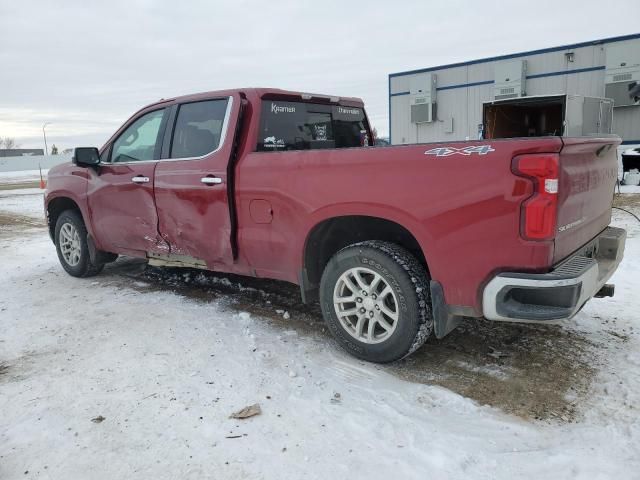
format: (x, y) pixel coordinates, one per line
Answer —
(139, 141)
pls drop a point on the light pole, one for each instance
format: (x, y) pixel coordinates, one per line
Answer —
(44, 134)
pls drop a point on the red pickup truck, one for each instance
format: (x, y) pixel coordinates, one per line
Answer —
(397, 243)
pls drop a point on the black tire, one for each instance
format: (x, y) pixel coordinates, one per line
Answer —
(85, 267)
(410, 284)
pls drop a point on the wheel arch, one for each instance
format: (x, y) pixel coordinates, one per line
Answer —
(331, 234)
(56, 206)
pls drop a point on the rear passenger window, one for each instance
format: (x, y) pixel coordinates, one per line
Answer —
(198, 128)
(309, 126)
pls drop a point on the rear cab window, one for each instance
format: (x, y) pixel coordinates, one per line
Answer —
(310, 126)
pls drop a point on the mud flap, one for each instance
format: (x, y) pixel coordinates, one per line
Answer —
(444, 322)
(98, 256)
(308, 293)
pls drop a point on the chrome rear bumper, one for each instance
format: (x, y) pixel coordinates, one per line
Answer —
(561, 293)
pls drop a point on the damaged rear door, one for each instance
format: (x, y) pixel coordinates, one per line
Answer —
(191, 182)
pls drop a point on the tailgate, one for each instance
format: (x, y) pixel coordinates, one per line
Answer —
(588, 173)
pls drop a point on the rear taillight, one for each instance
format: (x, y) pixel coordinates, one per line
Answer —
(540, 211)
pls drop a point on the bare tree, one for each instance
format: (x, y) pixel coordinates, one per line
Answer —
(8, 143)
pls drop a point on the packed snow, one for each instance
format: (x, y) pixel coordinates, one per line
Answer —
(111, 377)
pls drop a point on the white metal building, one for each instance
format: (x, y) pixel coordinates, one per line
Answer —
(445, 103)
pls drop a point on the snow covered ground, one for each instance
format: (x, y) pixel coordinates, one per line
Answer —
(134, 373)
(28, 202)
(629, 189)
(22, 177)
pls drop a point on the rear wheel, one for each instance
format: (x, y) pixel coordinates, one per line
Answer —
(72, 246)
(375, 300)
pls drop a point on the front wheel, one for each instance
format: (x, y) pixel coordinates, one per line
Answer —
(375, 300)
(72, 246)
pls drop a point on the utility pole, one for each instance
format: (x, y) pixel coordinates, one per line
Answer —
(44, 134)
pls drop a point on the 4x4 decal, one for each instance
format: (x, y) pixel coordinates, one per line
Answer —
(448, 151)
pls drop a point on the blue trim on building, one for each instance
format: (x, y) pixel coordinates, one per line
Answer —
(565, 72)
(631, 142)
(465, 85)
(489, 82)
(521, 54)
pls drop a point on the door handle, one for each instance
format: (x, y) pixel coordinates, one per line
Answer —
(211, 180)
(140, 179)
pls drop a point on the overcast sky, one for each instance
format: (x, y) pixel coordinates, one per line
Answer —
(86, 66)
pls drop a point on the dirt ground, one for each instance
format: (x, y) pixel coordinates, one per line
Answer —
(539, 372)
(12, 224)
(625, 200)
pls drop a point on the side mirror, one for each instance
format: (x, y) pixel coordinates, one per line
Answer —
(86, 156)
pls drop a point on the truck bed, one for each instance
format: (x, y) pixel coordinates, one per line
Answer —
(464, 209)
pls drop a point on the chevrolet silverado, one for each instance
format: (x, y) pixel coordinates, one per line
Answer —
(397, 243)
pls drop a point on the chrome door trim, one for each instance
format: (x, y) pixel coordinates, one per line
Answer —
(223, 136)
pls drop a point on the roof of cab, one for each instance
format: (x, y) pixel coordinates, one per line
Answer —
(260, 93)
